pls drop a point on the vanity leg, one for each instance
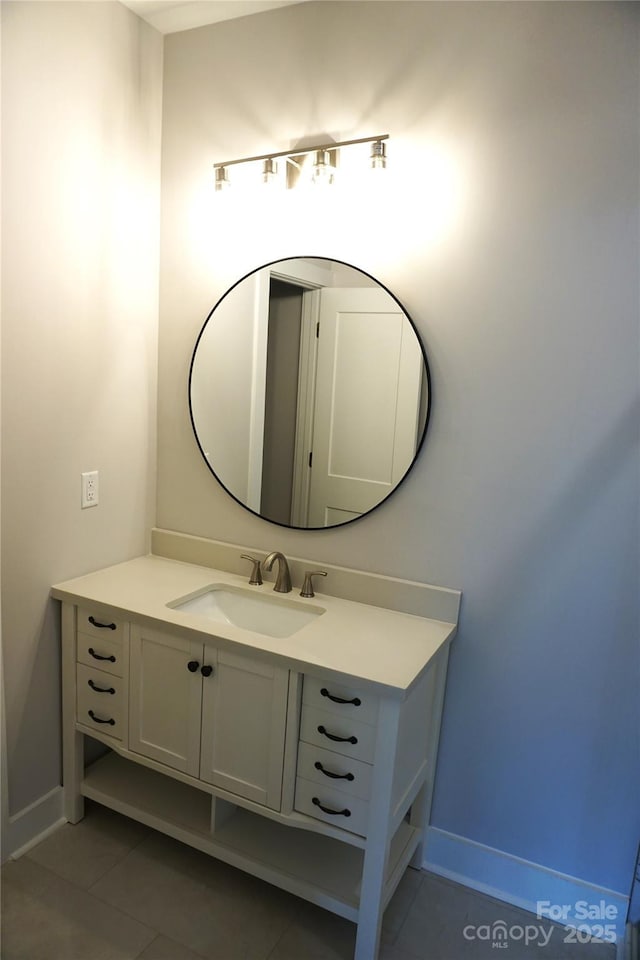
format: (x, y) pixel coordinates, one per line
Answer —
(421, 808)
(73, 769)
(72, 741)
(419, 818)
(374, 870)
(371, 901)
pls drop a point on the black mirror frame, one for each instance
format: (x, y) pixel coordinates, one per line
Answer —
(334, 526)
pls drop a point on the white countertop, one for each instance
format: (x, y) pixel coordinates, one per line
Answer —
(364, 643)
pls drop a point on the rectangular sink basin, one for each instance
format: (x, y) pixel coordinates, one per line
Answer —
(260, 613)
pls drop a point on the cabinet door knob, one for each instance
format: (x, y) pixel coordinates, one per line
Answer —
(206, 670)
(192, 666)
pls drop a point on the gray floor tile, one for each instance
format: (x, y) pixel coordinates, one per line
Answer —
(84, 851)
(47, 918)
(525, 934)
(391, 951)
(316, 934)
(450, 922)
(436, 919)
(164, 949)
(400, 904)
(319, 935)
(216, 911)
(110, 889)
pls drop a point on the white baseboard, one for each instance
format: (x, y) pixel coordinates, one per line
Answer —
(524, 884)
(31, 825)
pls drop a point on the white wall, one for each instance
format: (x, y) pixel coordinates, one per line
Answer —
(509, 231)
(81, 112)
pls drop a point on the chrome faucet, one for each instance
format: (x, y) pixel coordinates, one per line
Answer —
(283, 580)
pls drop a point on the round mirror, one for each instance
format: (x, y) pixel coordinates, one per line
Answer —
(309, 392)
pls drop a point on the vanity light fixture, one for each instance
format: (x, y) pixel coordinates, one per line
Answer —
(323, 158)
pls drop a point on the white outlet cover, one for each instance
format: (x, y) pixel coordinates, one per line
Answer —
(89, 496)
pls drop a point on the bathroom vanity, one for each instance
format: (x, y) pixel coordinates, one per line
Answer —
(304, 755)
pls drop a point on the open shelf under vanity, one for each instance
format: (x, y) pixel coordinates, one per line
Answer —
(318, 868)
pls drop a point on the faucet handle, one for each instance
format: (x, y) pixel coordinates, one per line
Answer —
(307, 586)
(255, 580)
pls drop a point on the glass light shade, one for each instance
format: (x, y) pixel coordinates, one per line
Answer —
(270, 171)
(323, 169)
(222, 178)
(378, 155)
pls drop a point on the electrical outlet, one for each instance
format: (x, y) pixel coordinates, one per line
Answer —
(89, 489)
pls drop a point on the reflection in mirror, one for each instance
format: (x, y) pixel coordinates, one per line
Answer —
(309, 392)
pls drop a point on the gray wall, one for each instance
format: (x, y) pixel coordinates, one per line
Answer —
(81, 100)
(509, 231)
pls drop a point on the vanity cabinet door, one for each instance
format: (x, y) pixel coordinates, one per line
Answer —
(165, 698)
(243, 727)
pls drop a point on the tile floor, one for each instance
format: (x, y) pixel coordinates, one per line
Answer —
(111, 889)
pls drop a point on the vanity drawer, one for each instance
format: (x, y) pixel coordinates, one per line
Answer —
(331, 769)
(96, 705)
(101, 653)
(342, 735)
(344, 701)
(332, 806)
(99, 625)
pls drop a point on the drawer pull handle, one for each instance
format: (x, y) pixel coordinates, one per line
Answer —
(98, 689)
(334, 813)
(102, 626)
(96, 656)
(192, 666)
(325, 693)
(95, 719)
(332, 736)
(334, 776)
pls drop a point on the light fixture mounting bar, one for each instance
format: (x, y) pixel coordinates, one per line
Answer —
(301, 152)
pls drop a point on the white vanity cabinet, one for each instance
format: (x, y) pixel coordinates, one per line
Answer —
(307, 760)
(209, 713)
